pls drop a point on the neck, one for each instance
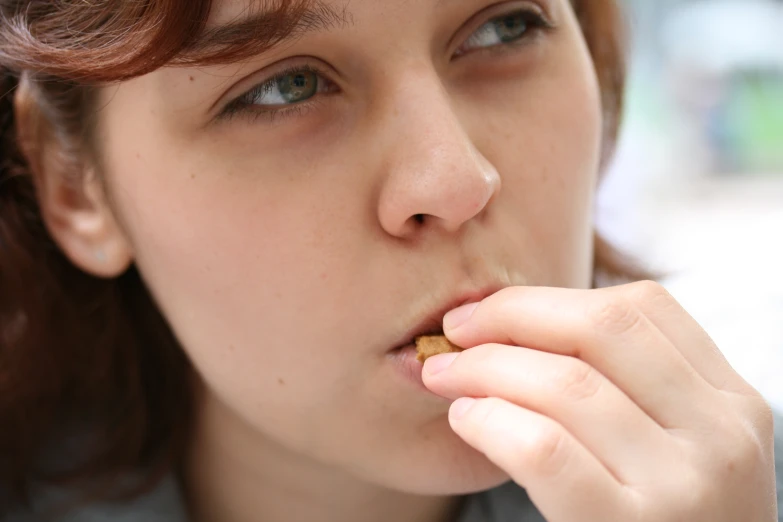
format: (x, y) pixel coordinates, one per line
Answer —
(233, 473)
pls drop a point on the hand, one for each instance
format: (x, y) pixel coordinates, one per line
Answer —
(608, 405)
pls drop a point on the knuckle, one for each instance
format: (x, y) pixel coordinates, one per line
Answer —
(577, 381)
(611, 315)
(654, 297)
(548, 449)
(543, 447)
(764, 416)
(741, 448)
(758, 411)
(651, 292)
(746, 450)
(487, 412)
(506, 299)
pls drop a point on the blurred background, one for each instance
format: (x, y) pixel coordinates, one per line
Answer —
(696, 189)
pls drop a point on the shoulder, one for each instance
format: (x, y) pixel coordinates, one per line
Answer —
(163, 504)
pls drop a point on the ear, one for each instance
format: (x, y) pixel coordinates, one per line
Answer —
(70, 194)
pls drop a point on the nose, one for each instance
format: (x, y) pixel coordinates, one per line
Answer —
(435, 176)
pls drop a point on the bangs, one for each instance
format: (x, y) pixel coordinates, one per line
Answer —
(113, 41)
(260, 27)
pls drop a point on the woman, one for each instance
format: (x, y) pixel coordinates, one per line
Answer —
(224, 223)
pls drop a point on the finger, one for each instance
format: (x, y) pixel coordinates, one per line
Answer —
(607, 333)
(593, 410)
(563, 479)
(698, 348)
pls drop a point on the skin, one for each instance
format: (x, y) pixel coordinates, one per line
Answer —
(287, 255)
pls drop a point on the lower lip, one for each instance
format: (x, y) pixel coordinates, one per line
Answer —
(406, 365)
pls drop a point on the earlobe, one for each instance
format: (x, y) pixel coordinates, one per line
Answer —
(85, 227)
(71, 197)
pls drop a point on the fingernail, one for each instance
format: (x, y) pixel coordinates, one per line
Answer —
(461, 406)
(438, 363)
(459, 316)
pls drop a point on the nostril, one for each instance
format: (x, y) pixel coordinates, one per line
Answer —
(419, 218)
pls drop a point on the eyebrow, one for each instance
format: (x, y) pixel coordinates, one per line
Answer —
(264, 26)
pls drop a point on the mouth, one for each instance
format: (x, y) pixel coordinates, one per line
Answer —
(432, 324)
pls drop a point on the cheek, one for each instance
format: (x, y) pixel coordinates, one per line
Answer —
(548, 154)
(568, 145)
(232, 260)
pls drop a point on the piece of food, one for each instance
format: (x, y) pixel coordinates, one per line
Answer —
(429, 345)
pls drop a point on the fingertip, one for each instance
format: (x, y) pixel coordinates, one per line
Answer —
(460, 408)
(458, 317)
(438, 363)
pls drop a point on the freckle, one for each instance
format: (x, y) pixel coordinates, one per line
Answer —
(280, 381)
(192, 176)
(191, 78)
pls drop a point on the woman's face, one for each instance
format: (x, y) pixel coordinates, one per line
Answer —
(300, 214)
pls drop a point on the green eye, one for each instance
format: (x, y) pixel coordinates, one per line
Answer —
(287, 88)
(504, 29)
(510, 28)
(290, 89)
(295, 87)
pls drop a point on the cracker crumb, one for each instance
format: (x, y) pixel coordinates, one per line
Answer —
(429, 345)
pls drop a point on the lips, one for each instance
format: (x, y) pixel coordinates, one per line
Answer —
(433, 322)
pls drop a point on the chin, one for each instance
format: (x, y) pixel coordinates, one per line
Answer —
(471, 475)
(437, 466)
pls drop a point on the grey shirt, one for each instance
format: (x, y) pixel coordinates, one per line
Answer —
(507, 503)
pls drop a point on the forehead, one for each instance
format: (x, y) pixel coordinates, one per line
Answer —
(271, 22)
(229, 11)
(261, 24)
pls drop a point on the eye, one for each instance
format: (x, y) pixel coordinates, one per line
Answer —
(505, 29)
(294, 87)
(283, 91)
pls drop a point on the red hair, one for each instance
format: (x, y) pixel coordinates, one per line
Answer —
(76, 350)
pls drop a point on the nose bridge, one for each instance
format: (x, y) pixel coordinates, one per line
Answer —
(433, 170)
(423, 108)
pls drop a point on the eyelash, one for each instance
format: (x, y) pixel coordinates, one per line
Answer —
(537, 23)
(244, 107)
